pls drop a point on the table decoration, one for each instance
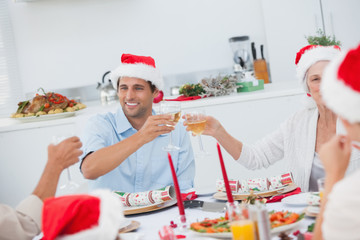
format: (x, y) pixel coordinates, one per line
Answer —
(180, 203)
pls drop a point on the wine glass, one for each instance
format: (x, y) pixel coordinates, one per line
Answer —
(172, 108)
(70, 186)
(196, 122)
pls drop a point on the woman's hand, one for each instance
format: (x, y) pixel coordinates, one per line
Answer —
(335, 156)
(212, 126)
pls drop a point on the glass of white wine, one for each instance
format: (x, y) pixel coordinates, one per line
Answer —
(70, 187)
(173, 108)
(196, 122)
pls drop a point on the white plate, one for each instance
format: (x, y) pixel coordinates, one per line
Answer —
(298, 200)
(228, 235)
(45, 117)
(125, 223)
(285, 228)
(313, 209)
(148, 208)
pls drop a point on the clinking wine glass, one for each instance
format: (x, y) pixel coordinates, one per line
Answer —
(196, 122)
(70, 186)
(172, 108)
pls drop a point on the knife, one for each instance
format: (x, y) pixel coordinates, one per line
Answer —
(262, 51)
(205, 206)
(253, 50)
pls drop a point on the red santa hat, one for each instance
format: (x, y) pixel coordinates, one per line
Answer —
(72, 217)
(340, 87)
(311, 54)
(139, 67)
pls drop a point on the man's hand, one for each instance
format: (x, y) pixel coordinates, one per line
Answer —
(64, 154)
(335, 156)
(156, 125)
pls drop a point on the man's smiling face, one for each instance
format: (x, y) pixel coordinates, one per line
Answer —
(135, 97)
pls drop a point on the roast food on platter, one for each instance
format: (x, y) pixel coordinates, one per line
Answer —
(46, 103)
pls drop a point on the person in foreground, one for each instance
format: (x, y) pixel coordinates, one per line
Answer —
(25, 221)
(340, 205)
(123, 150)
(300, 137)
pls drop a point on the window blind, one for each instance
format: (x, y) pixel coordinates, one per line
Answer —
(10, 83)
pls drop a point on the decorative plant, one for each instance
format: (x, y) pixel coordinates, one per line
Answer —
(189, 90)
(322, 39)
(219, 85)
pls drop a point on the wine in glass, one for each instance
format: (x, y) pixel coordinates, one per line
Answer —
(196, 122)
(173, 108)
(71, 186)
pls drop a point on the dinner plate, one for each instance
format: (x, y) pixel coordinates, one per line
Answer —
(45, 117)
(148, 208)
(228, 235)
(243, 196)
(297, 200)
(129, 226)
(312, 211)
(287, 227)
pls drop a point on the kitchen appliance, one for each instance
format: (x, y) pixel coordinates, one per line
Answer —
(241, 48)
(108, 94)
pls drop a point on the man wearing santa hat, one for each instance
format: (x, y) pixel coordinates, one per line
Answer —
(123, 150)
(340, 206)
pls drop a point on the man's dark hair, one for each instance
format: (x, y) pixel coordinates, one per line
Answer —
(152, 86)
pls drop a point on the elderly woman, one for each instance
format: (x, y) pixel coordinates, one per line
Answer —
(298, 139)
(340, 206)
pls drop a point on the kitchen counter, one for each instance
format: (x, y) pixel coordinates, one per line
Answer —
(271, 91)
(247, 116)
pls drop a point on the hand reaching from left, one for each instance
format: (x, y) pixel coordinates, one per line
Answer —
(335, 156)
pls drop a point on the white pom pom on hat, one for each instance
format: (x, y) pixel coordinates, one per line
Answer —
(142, 67)
(311, 54)
(340, 87)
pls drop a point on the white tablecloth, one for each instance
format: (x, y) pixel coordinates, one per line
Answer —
(150, 223)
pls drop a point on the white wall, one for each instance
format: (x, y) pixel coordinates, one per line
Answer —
(71, 43)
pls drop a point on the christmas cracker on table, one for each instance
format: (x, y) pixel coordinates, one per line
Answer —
(147, 198)
(256, 184)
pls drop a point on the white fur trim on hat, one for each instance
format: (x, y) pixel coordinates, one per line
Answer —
(138, 70)
(310, 57)
(110, 219)
(340, 98)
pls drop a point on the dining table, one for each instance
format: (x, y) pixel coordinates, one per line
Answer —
(152, 222)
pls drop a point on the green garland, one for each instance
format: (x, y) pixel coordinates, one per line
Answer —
(322, 39)
(189, 90)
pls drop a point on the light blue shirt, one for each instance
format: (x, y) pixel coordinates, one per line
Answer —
(147, 168)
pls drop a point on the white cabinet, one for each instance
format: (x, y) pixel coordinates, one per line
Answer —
(287, 22)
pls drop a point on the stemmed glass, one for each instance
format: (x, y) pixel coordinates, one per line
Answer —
(196, 122)
(172, 108)
(70, 186)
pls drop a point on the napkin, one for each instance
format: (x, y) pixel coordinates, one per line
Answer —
(279, 197)
(183, 98)
(188, 196)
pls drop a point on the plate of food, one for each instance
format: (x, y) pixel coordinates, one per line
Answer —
(282, 221)
(268, 193)
(220, 227)
(148, 208)
(46, 106)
